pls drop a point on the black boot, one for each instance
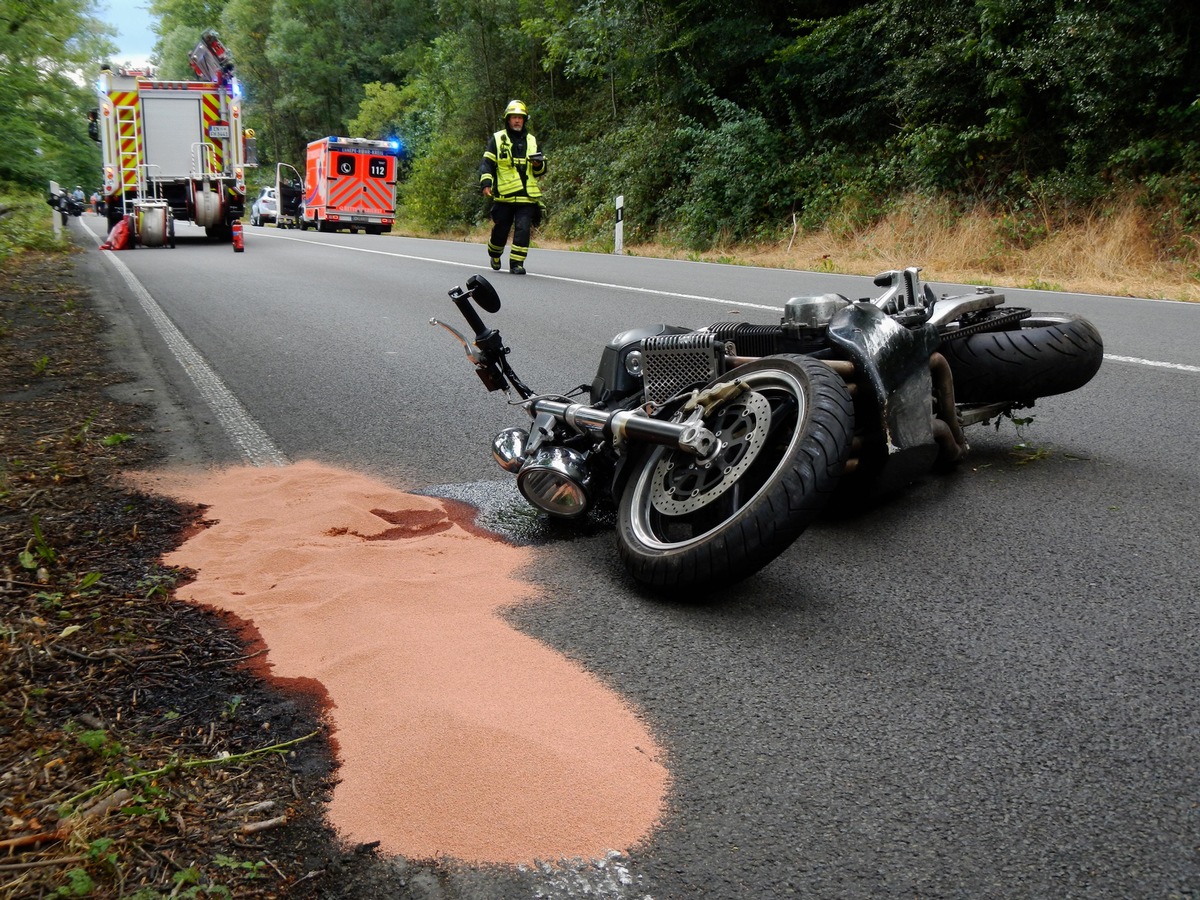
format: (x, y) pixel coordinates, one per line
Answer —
(516, 268)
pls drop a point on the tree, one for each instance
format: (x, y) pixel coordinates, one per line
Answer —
(246, 29)
(48, 51)
(179, 26)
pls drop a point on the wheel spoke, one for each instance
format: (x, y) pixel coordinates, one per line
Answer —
(690, 499)
(766, 482)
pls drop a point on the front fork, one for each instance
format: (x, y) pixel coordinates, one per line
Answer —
(620, 426)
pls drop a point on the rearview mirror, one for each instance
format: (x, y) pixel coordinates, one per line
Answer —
(484, 294)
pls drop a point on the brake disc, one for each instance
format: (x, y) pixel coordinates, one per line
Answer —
(683, 483)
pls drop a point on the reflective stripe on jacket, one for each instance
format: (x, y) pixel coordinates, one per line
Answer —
(506, 163)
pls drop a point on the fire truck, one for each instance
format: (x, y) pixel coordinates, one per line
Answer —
(350, 183)
(174, 150)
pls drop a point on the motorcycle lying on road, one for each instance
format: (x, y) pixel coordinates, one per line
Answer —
(720, 445)
(65, 205)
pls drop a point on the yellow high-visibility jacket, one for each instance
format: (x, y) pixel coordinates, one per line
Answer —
(508, 169)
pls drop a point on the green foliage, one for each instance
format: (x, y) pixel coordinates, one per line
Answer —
(98, 741)
(442, 193)
(638, 158)
(26, 222)
(79, 884)
(43, 102)
(383, 112)
(716, 120)
(250, 870)
(38, 551)
(740, 178)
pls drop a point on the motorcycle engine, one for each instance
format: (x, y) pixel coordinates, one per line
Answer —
(618, 376)
(661, 360)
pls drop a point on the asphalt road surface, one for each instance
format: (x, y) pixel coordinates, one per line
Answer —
(983, 686)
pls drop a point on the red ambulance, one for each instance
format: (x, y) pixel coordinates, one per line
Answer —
(350, 183)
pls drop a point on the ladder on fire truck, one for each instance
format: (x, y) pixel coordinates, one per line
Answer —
(129, 142)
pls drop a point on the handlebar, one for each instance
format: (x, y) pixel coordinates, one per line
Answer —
(462, 299)
(490, 356)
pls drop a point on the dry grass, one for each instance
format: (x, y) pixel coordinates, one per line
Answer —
(1113, 252)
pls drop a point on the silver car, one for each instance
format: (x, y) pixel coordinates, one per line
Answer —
(264, 208)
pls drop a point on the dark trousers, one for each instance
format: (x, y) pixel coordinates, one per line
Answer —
(519, 218)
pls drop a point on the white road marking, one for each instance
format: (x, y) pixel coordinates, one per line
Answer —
(254, 443)
(602, 284)
(1152, 362)
(638, 290)
(246, 434)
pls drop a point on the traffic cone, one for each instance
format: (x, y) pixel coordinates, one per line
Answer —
(239, 245)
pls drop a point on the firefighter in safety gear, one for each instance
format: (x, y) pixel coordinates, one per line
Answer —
(509, 175)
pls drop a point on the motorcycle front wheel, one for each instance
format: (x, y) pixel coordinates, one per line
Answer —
(689, 525)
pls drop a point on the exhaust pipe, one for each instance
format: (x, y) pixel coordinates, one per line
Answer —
(947, 430)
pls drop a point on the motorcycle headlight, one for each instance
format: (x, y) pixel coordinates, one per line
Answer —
(556, 480)
(508, 449)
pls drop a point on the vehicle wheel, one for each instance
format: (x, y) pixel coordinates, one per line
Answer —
(1049, 353)
(683, 525)
(171, 231)
(153, 231)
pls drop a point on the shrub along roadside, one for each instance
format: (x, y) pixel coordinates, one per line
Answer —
(25, 219)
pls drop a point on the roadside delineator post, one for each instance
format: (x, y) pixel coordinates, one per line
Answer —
(57, 217)
(619, 243)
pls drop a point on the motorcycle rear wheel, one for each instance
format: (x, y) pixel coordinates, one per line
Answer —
(684, 526)
(1050, 353)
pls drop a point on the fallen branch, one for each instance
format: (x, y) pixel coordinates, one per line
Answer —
(98, 656)
(26, 840)
(255, 827)
(190, 764)
(30, 584)
(233, 661)
(38, 863)
(100, 807)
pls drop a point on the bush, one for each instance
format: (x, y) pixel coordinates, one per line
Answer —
(1173, 202)
(26, 223)
(442, 192)
(739, 178)
(638, 159)
(843, 190)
